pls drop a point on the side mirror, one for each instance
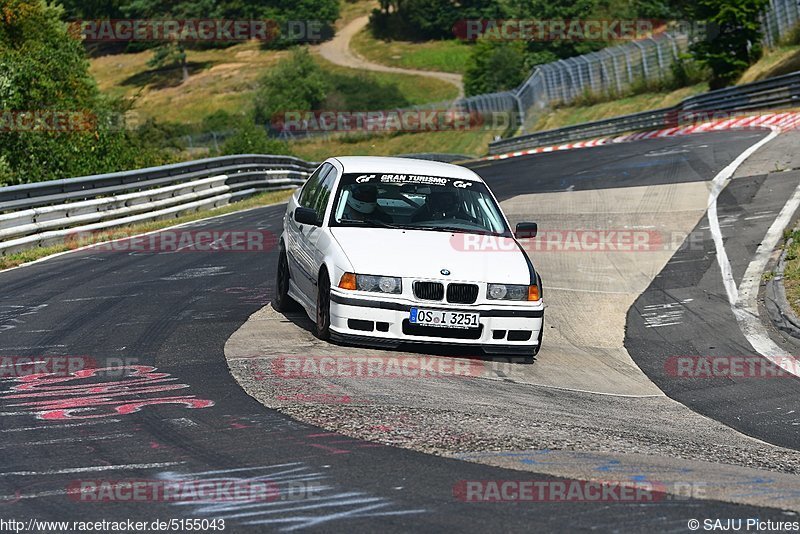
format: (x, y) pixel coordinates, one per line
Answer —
(526, 230)
(306, 216)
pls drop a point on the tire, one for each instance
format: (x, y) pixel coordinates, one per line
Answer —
(323, 315)
(539, 345)
(283, 302)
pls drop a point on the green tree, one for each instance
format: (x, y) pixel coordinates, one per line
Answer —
(734, 39)
(171, 52)
(92, 9)
(43, 69)
(429, 19)
(296, 83)
(251, 138)
(495, 66)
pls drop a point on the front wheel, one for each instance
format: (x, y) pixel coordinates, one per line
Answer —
(323, 323)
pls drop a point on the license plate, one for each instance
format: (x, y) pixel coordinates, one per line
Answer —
(444, 319)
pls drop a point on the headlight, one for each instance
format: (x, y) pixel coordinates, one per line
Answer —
(380, 284)
(512, 292)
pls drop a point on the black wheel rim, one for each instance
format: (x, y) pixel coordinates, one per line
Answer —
(283, 277)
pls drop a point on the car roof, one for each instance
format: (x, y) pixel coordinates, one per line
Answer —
(389, 165)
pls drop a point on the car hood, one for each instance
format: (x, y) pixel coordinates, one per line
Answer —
(424, 254)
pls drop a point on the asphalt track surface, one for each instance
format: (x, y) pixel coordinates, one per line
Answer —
(175, 311)
(696, 319)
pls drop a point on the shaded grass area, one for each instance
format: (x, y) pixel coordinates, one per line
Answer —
(264, 199)
(470, 143)
(445, 56)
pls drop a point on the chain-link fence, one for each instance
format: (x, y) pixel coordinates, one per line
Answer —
(615, 69)
(780, 20)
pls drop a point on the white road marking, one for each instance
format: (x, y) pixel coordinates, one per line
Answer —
(717, 185)
(551, 288)
(79, 439)
(102, 297)
(6, 349)
(48, 427)
(90, 469)
(743, 300)
(199, 272)
(746, 307)
(669, 314)
(183, 422)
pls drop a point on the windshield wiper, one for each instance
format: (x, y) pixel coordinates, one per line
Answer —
(376, 221)
(452, 229)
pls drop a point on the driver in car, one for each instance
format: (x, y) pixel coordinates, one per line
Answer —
(441, 205)
(362, 205)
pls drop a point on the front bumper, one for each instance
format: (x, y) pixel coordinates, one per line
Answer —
(507, 328)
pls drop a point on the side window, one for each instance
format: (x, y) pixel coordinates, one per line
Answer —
(311, 188)
(321, 201)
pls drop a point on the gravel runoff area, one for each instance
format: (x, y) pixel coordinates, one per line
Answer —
(510, 424)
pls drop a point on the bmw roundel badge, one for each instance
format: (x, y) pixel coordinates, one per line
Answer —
(445, 272)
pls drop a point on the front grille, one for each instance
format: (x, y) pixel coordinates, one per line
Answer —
(462, 293)
(429, 290)
(433, 331)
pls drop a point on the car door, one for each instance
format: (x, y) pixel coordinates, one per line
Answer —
(315, 237)
(296, 250)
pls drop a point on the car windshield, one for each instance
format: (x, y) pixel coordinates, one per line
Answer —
(417, 202)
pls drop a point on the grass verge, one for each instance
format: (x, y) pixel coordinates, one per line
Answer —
(569, 115)
(775, 62)
(26, 256)
(444, 56)
(470, 143)
(791, 276)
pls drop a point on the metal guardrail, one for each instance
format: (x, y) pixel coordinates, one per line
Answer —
(45, 213)
(779, 92)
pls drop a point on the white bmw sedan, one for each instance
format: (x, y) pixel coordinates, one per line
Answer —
(386, 251)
